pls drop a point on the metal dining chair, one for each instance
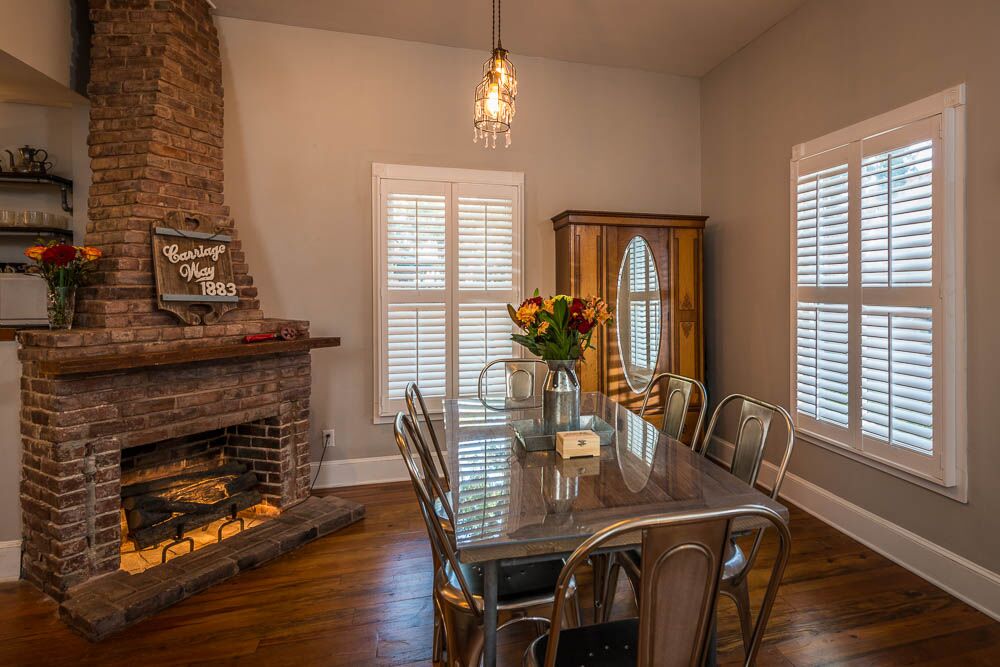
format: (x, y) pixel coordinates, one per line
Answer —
(443, 510)
(677, 400)
(748, 452)
(519, 374)
(458, 588)
(679, 584)
(752, 431)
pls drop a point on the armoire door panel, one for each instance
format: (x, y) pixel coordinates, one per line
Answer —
(618, 240)
(685, 302)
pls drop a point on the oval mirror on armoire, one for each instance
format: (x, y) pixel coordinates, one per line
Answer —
(638, 314)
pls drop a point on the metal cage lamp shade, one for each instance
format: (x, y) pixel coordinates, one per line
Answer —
(494, 108)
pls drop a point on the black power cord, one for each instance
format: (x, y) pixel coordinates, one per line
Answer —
(326, 442)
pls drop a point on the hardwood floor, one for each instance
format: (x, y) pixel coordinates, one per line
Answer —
(360, 597)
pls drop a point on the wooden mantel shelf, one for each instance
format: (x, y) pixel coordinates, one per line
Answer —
(122, 362)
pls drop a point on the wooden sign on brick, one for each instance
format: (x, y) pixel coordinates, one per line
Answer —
(194, 270)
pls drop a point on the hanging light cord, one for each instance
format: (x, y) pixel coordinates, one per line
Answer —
(499, 23)
(493, 25)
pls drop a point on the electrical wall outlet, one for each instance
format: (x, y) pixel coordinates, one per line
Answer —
(328, 440)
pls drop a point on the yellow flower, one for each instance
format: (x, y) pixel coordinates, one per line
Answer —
(90, 253)
(526, 313)
(543, 327)
(549, 305)
(35, 252)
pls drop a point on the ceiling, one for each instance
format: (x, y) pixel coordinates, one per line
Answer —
(687, 37)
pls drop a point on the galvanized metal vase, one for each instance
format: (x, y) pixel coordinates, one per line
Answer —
(561, 397)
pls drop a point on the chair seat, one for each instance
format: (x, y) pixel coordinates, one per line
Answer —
(519, 585)
(610, 644)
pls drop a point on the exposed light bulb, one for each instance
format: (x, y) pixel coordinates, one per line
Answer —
(493, 99)
(500, 69)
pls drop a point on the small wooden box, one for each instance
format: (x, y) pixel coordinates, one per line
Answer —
(573, 444)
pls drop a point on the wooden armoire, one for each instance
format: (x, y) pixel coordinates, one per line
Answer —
(590, 249)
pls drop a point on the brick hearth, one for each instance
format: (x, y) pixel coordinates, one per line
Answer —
(156, 150)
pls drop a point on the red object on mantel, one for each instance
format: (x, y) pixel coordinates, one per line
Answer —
(285, 333)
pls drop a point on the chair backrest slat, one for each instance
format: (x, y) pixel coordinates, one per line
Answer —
(681, 566)
(519, 373)
(676, 401)
(414, 401)
(752, 430)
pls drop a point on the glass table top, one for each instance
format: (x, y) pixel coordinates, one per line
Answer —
(511, 503)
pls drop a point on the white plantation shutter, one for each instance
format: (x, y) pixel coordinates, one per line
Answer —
(415, 241)
(878, 301)
(896, 216)
(822, 207)
(416, 348)
(483, 335)
(486, 243)
(488, 279)
(447, 263)
(822, 368)
(897, 380)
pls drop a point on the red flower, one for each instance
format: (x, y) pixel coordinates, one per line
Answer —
(576, 308)
(60, 255)
(537, 300)
(583, 326)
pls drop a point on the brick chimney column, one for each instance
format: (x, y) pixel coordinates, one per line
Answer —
(156, 127)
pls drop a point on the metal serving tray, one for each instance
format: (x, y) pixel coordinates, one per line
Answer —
(531, 432)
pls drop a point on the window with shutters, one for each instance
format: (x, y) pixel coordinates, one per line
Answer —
(878, 315)
(447, 263)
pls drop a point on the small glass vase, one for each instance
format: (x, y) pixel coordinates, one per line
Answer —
(61, 307)
(561, 397)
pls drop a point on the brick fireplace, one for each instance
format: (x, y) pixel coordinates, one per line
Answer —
(130, 380)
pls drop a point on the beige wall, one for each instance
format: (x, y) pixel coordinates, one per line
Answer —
(63, 132)
(37, 32)
(308, 111)
(828, 65)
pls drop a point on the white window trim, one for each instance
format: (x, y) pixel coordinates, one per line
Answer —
(382, 171)
(950, 105)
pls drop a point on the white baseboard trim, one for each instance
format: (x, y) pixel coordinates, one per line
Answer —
(968, 581)
(10, 560)
(353, 472)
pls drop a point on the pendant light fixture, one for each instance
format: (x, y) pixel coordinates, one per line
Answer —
(496, 92)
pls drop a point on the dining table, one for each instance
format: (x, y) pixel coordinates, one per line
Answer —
(512, 505)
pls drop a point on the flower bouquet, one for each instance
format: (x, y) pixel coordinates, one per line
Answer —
(559, 330)
(64, 268)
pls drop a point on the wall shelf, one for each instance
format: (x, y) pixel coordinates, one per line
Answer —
(64, 184)
(36, 231)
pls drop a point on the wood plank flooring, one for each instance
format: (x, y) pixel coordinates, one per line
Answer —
(361, 597)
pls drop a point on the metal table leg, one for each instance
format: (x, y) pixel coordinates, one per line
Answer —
(490, 583)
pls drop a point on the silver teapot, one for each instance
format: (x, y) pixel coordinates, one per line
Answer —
(29, 160)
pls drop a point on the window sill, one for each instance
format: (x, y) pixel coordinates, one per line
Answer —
(958, 493)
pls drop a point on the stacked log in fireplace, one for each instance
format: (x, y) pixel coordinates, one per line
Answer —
(169, 506)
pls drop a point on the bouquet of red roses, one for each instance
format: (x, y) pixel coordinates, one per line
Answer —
(64, 268)
(63, 265)
(559, 327)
